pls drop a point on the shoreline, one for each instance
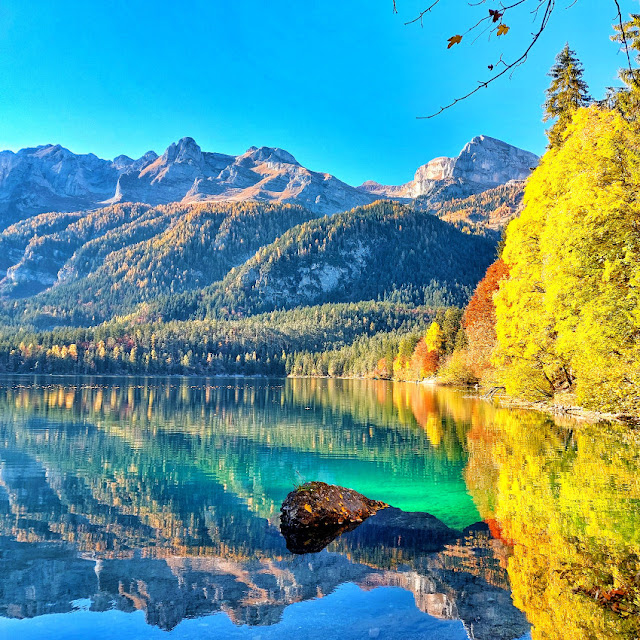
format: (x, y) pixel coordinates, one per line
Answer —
(552, 408)
(566, 411)
(556, 409)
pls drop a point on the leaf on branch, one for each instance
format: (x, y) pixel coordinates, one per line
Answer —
(454, 40)
(503, 30)
(495, 14)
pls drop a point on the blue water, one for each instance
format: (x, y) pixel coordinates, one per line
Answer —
(347, 613)
(148, 508)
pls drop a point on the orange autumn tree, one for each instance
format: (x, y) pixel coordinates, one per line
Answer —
(479, 320)
(426, 355)
(383, 370)
(424, 361)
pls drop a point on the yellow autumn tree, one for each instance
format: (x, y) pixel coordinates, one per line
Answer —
(434, 337)
(567, 316)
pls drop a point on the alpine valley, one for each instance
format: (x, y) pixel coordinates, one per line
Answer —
(213, 263)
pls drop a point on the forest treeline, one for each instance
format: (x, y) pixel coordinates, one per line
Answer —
(392, 355)
(262, 344)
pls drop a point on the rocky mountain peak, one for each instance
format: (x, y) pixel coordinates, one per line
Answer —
(126, 164)
(483, 163)
(122, 161)
(492, 162)
(186, 150)
(269, 154)
(149, 156)
(49, 150)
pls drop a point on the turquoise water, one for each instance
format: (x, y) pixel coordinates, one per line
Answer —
(148, 508)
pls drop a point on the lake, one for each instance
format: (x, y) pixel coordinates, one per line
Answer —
(137, 508)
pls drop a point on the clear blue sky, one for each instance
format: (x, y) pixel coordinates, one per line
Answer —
(338, 84)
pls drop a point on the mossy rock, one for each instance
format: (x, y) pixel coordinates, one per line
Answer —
(316, 513)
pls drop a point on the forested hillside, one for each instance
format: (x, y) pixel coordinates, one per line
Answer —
(90, 267)
(227, 288)
(80, 270)
(484, 212)
(382, 251)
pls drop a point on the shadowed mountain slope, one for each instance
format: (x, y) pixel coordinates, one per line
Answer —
(381, 251)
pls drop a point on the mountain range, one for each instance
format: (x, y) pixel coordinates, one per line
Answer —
(191, 237)
(51, 178)
(482, 164)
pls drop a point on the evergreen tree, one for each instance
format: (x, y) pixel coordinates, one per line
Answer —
(627, 99)
(567, 93)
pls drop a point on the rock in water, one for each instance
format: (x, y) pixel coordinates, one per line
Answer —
(415, 533)
(316, 513)
(322, 504)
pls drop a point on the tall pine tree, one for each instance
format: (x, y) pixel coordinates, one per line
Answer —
(627, 99)
(567, 93)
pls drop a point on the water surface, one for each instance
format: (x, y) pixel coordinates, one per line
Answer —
(148, 508)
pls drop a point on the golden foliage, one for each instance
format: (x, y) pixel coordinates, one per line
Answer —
(568, 313)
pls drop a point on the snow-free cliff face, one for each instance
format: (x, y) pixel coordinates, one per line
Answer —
(492, 162)
(185, 173)
(51, 178)
(483, 163)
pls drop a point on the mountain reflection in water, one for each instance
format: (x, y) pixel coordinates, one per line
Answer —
(162, 496)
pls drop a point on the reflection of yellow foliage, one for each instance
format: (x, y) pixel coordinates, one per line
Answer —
(69, 399)
(569, 504)
(433, 428)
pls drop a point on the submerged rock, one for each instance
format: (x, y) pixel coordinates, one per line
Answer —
(316, 513)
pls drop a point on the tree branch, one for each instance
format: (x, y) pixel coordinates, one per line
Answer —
(548, 9)
(422, 13)
(623, 35)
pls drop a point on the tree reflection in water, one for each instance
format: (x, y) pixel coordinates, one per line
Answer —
(566, 497)
(163, 495)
